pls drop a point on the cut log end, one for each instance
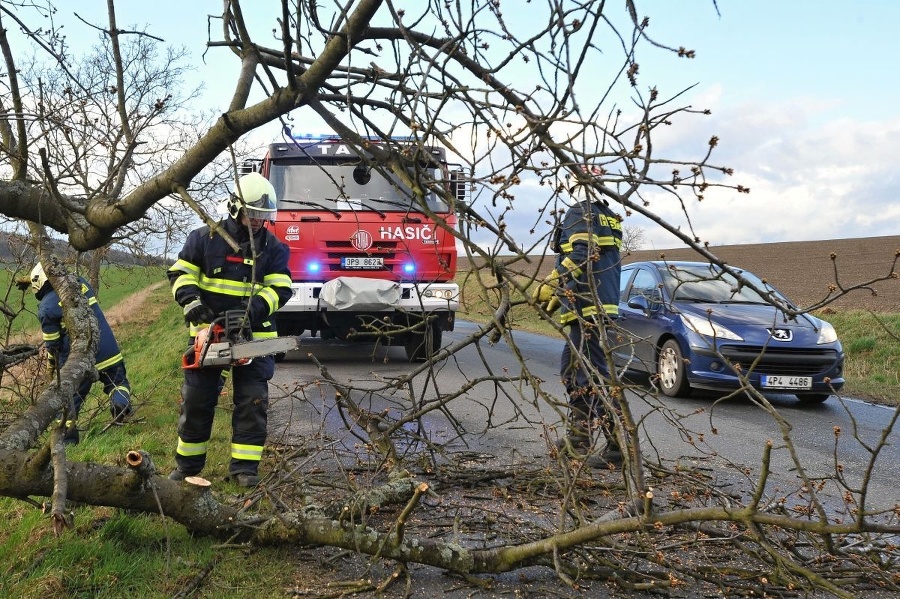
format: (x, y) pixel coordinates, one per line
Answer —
(196, 480)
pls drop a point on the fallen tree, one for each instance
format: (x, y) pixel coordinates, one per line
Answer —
(654, 524)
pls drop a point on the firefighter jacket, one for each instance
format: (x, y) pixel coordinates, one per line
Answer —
(588, 265)
(209, 269)
(56, 337)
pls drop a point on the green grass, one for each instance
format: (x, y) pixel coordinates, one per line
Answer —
(872, 345)
(113, 553)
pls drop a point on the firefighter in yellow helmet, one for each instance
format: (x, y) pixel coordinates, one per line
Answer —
(208, 279)
(110, 363)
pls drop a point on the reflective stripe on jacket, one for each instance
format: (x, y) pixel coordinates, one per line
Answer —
(588, 241)
(208, 268)
(54, 332)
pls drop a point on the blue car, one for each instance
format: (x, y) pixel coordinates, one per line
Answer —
(690, 325)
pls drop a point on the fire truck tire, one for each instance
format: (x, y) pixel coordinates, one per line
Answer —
(421, 347)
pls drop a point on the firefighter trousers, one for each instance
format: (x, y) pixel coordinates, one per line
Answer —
(249, 419)
(583, 371)
(115, 386)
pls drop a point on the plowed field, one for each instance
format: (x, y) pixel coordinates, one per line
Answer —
(804, 270)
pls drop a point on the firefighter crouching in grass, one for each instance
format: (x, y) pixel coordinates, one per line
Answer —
(110, 363)
(584, 285)
(208, 279)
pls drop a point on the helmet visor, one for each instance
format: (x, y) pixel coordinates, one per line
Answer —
(262, 209)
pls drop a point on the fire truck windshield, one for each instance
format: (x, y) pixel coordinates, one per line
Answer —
(344, 186)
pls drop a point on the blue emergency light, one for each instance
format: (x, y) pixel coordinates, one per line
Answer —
(333, 137)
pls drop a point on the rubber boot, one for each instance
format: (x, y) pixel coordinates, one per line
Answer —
(246, 479)
(120, 412)
(608, 458)
(577, 440)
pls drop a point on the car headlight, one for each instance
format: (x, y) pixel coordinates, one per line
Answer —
(827, 334)
(709, 329)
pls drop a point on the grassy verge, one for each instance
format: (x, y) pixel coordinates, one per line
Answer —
(112, 553)
(872, 344)
(871, 340)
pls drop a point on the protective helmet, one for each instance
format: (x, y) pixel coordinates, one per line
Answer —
(579, 192)
(38, 277)
(582, 193)
(258, 197)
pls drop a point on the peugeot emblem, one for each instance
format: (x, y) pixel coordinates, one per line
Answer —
(781, 334)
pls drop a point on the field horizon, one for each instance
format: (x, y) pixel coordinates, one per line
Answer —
(803, 270)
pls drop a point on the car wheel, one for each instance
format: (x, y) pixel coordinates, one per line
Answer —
(814, 397)
(670, 369)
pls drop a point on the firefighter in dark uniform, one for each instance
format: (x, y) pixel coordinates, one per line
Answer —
(209, 278)
(110, 364)
(585, 286)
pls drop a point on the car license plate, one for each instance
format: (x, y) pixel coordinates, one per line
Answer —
(361, 262)
(786, 382)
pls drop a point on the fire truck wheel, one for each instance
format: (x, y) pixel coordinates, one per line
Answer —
(421, 347)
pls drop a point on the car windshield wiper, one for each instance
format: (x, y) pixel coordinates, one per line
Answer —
(694, 300)
(311, 204)
(749, 302)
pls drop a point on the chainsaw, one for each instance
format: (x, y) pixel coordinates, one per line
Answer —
(226, 342)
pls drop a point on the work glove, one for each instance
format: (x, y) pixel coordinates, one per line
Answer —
(546, 291)
(256, 308)
(197, 312)
(552, 305)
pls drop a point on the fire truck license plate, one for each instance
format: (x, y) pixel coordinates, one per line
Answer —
(361, 262)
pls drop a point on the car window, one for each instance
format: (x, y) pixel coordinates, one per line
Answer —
(624, 279)
(708, 284)
(645, 284)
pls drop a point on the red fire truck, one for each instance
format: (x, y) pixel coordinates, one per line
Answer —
(369, 260)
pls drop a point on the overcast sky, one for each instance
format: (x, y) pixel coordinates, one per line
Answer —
(803, 94)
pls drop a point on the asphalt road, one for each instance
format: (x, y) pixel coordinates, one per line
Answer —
(505, 423)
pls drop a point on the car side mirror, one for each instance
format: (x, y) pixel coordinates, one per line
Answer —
(639, 302)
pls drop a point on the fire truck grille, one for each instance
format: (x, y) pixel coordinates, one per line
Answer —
(378, 246)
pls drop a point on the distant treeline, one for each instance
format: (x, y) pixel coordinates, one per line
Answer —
(13, 248)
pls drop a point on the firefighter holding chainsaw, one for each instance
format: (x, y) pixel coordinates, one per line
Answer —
(209, 279)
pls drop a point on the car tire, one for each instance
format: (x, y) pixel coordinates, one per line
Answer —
(813, 398)
(670, 370)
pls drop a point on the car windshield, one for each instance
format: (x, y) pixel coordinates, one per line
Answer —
(344, 186)
(706, 283)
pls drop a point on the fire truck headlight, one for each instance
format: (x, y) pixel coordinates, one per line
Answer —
(438, 293)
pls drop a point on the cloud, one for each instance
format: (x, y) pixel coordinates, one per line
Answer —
(811, 175)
